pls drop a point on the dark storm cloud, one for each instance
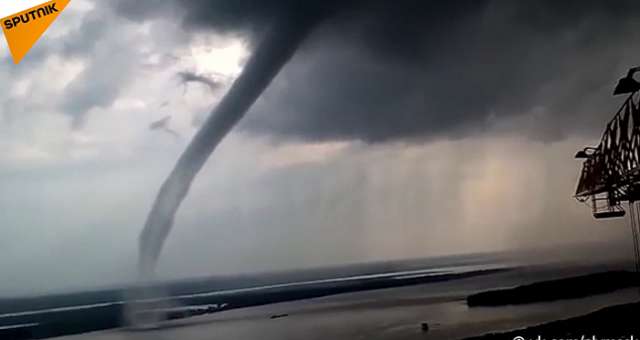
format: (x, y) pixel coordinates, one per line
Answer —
(413, 69)
(248, 17)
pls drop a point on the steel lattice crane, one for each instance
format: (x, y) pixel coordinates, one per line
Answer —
(610, 176)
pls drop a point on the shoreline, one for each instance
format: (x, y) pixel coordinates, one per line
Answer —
(618, 321)
(391, 314)
(560, 289)
(109, 315)
(392, 305)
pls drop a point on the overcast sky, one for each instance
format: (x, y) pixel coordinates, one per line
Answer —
(396, 131)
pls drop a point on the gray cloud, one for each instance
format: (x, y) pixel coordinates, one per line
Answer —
(107, 70)
(94, 87)
(415, 70)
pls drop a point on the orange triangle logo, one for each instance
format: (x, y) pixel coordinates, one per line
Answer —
(23, 29)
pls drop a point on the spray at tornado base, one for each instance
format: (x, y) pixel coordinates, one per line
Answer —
(276, 48)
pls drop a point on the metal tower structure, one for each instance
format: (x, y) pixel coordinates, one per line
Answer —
(610, 176)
